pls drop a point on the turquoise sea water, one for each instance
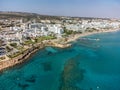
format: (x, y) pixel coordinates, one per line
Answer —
(99, 60)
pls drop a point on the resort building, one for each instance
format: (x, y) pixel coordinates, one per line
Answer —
(12, 36)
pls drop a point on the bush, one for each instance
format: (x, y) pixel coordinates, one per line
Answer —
(13, 45)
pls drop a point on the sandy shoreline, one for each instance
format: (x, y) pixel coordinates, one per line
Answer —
(75, 37)
(22, 58)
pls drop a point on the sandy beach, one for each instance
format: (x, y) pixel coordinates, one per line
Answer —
(76, 36)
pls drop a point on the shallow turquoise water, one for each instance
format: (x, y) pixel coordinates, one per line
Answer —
(100, 61)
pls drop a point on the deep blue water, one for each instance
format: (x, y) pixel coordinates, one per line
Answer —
(100, 60)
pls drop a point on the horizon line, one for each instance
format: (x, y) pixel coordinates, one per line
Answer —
(58, 15)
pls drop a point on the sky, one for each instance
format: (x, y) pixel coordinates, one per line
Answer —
(81, 8)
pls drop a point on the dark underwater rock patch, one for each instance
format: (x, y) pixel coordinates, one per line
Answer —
(71, 75)
(47, 66)
(31, 79)
(23, 85)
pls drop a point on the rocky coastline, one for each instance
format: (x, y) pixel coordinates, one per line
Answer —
(27, 54)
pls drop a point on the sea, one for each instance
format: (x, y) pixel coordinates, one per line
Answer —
(91, 63)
